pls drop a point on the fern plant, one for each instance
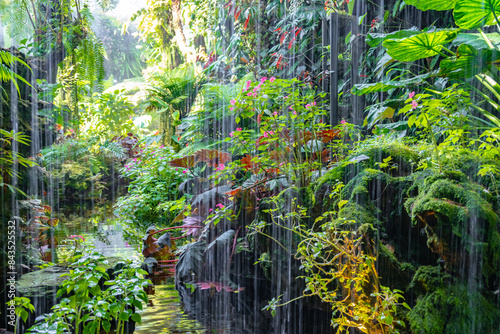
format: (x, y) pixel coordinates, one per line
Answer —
(6, 74)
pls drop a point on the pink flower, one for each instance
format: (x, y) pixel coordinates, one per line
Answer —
(177, 169)
(263, 79)
(239, 129)
(187, 144)
(254, 94)
(294, 112)
(210, 210)
(314, 103)
(249, 94)
(290, 108)
(231, 134)
(220, 206)
(233, 102)
(220, 167)
(231, 108)
(307, 106)
(275, 113)
(184, 171)
(266, 135)
(248, 83)
(272, 79)
(411, 95)
(343, 122)
(161, 146)
(414, 104)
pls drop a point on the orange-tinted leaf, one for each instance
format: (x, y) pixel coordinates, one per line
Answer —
(53, 222)
(327, 135)
(237, 14)
(47, 208)
(212, 157)
(298, 31)
(247, 163)
(234, 192)
(247, 20)
(186, 162)
(291, 43)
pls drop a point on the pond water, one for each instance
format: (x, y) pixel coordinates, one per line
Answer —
(164, 312)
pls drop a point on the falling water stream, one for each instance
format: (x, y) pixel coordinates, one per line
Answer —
(424, 254)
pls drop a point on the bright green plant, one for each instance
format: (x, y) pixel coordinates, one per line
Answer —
(6, 74)
(444, 111)
(282, 129)
(153, 196)
(8, 157)
(22, 308)
(109, 115)
(337, 257)
(86, 307)
(125, 293)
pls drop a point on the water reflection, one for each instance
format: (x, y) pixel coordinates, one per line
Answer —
(165, 314)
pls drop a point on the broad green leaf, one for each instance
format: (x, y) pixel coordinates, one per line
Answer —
(384, 86)
(473, 14)
(477, 41)
(374, 39)
(419, 46)
(468, 63)
(432, 4)
(136, 317)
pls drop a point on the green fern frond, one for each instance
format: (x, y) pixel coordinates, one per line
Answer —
(6, 74)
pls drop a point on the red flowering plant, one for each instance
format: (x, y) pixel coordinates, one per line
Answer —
(280, 132)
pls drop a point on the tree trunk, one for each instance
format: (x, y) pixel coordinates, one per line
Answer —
(179, 33)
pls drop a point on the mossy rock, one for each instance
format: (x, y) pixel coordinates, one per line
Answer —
(429, 278)
(392, 272)
(454, 309)
(41, 282)
(459, 218)
(403, 158)
(47, 280)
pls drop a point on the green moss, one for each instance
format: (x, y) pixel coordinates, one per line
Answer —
(429, 278)
(450, 206)
(362, 214)
(453, 309)
(393, 273)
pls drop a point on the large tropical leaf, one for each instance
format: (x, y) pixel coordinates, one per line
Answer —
(468, 63)
(432, 4)
(419, 46)
(473, 14)
(190, 260)
(210, 195)
(374, 39)
(477, 41)
(223, 240)
(384, 86)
